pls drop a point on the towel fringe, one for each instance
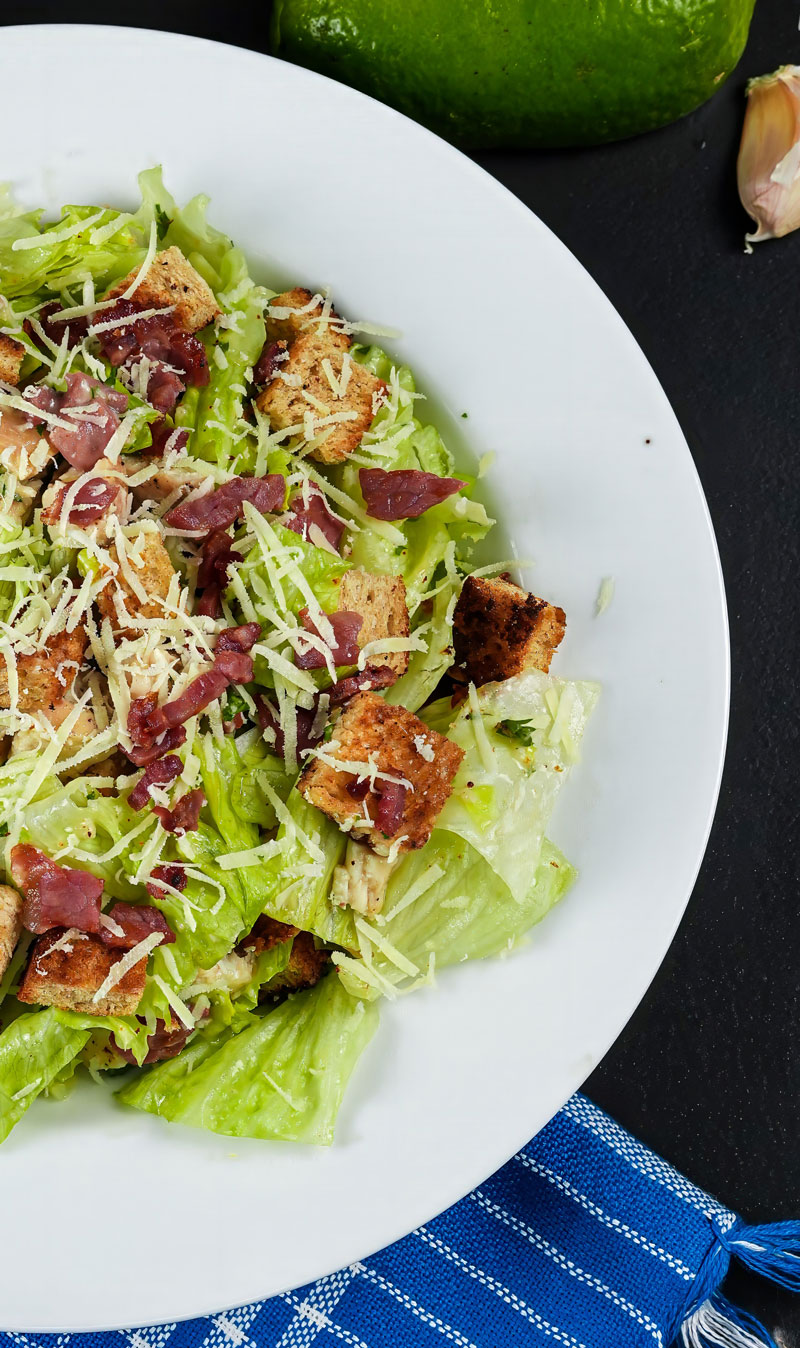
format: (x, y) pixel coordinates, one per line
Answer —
(719, 1324)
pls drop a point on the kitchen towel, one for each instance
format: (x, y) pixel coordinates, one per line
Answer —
(586, 1239)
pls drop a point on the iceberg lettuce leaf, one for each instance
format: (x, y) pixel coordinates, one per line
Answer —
(34, 1049)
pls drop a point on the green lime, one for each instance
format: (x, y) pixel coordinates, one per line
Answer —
(522, 72)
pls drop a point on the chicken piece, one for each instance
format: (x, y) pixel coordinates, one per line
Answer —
(23, 451)
(170, 480)
(359, 881)
(140, 585)
(37, 736)
(381, 601)
(171, 280)
(12, 354)
(75, 971)
(47, 675)
(119, 508)
(10, 924)
(26, 494)
(230, 974)
(500, 630)
(392, 746)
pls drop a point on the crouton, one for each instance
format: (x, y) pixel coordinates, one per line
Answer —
(500, 630)
(371, 733)
(10, 924)
(38, 736)
(171, 280)
(120, 601)
(381, 601)
(45, 676)
(304, 317)
(12, 354)
(73, 973)
(117, 509)
(305, 968)
(303, 387)
(23, 451)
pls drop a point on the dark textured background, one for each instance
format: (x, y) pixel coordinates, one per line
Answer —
(708, 1070)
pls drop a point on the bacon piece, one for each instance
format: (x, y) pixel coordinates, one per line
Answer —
(55, 328)
(163, 1043)
(94, 409)
(158, 337)
(55, 896)
(358, 788)
(171, 739)
(235, 723)
(166, 438)
(391, 804)
(164, 385)
(137, 921)
(185, 816)
(403, 493)
(273, 356)
(212, 575)
(314, 511)
(344, 649)
(268, 720)
(45, 398)
(170, 873)
(373, 677)
(198, 695)
(161, 772)
(240, 639)
(219, 509)
(90, 502)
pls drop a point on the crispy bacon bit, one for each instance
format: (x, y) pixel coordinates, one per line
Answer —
(43, 397)
(170, 873)
(273, 355)
(314, 511)
(358, 788)
(185, 816)
(219, 509)
(159, 338)
(344, 649)
(235, 723)
(241, 639)
(166, 438)
(370, 678)
(212, 575)
(163, 1043)
(403, 493)
(90, 502)
(171, 739)
(391, 803)
(163, 386)
(161, 772)
(137, 921)
(55, 896)
(93, 409)
(268, 720)
(198, 695)
(55, 328)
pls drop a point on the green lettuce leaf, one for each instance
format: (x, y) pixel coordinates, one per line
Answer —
(34, 1050)
(282, 1077)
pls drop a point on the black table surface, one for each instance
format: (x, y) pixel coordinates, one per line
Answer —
(708, 1069)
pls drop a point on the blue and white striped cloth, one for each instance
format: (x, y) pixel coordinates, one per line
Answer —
(586, 1239)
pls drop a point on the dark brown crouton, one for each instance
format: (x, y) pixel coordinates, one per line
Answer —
(500, 630)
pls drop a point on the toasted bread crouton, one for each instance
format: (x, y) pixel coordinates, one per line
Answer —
(140, 585)
(381, 601)
(305, 968)
(10, 924)
(304, 315)
(303, 387)
(390, 739)
(171, 280)
(23, 451)
(45, 676)
(73, 973)
(12, 354)
(500, 630)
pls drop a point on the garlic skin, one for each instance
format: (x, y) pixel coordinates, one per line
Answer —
(768, 167)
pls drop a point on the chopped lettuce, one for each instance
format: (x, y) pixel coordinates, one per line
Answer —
(34, 1050)
(282, 1077)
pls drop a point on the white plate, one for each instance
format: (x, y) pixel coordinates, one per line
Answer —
(320, 184)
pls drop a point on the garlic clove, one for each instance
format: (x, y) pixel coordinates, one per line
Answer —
(768, 167)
